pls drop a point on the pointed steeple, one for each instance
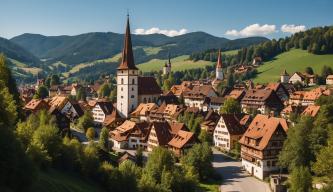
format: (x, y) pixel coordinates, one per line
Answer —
(285, 73)
(127, 56)
(219, 60)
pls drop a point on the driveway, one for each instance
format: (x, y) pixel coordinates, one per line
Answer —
(234, 179)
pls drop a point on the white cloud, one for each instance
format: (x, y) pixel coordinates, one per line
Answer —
(253, 30)
(154, 30)
(292, 28)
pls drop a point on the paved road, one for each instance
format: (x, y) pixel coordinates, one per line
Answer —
(235, 180)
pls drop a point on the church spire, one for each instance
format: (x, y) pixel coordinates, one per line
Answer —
(219, 60)
(127, 55)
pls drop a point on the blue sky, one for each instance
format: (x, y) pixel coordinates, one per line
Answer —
(223, 18)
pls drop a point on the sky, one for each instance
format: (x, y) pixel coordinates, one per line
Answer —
(223, 18)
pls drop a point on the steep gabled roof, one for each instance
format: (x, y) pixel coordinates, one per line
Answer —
(148, 85)
(262, 129)
(311, 110)
(232, 124)
(219, 60)
(181, 138)
(127, 55)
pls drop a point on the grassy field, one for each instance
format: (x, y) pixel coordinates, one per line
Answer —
(292, 61)
(178, 64)
(231, 52)
(57, 181)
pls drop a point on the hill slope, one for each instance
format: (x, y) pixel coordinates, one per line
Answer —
(58, 181)
(89, 47)
(293, 60)
(16, 52)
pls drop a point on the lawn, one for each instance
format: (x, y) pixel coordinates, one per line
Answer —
(58, 181)
(180, 63)
(292, 61)
(210, 186)
(231, 52)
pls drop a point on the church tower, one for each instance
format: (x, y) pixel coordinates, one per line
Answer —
(219, 73)
(167, 66)
(127, 78)
(284, 78)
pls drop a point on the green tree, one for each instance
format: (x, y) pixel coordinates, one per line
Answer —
(42, 92)
(200, 157)
(81, 94)
(90, 134)
(205, 137)
(90, 160)
(139, 156)
(9, 82)
(8, 110)
(104, 91)
(166, 85)
(300, 180)
(17, 171)
(309, 70)
(231, 106)
(55, 80)
(159, 159)
(296, 148)
(129, 173)
(85, 121)
(103, 141)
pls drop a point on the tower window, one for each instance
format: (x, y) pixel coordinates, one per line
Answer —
(122, 81)
(133, 81)
(132, 89)
(121, 89)
(132, 96)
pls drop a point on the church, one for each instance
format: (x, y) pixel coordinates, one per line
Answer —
(133, 89)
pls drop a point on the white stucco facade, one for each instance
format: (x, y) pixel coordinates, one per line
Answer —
(127, 91)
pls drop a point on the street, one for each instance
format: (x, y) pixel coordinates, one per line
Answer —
(234, 179)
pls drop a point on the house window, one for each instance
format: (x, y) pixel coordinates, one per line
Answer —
(132, 96)
(268, 163)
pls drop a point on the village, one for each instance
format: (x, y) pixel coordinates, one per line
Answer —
(146, 117)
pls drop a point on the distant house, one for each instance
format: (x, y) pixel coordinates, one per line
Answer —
(311, 110)
(237, 94)
(261, 145)
(280, 90)
(161, 133)
(130, 135)
(214, 103)
(291, 109)
(305, 98)
(178, 90)
(304, 78)
(143, 110)
(210, 121)
(101, 110)
(166, 112)
(63, 122)
(228, 131)
(257, 61)
(181, 142)
(261, 100)
(35, 105)
(196, 97)
(329, 80)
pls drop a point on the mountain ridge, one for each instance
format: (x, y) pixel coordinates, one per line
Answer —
(99, 45)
